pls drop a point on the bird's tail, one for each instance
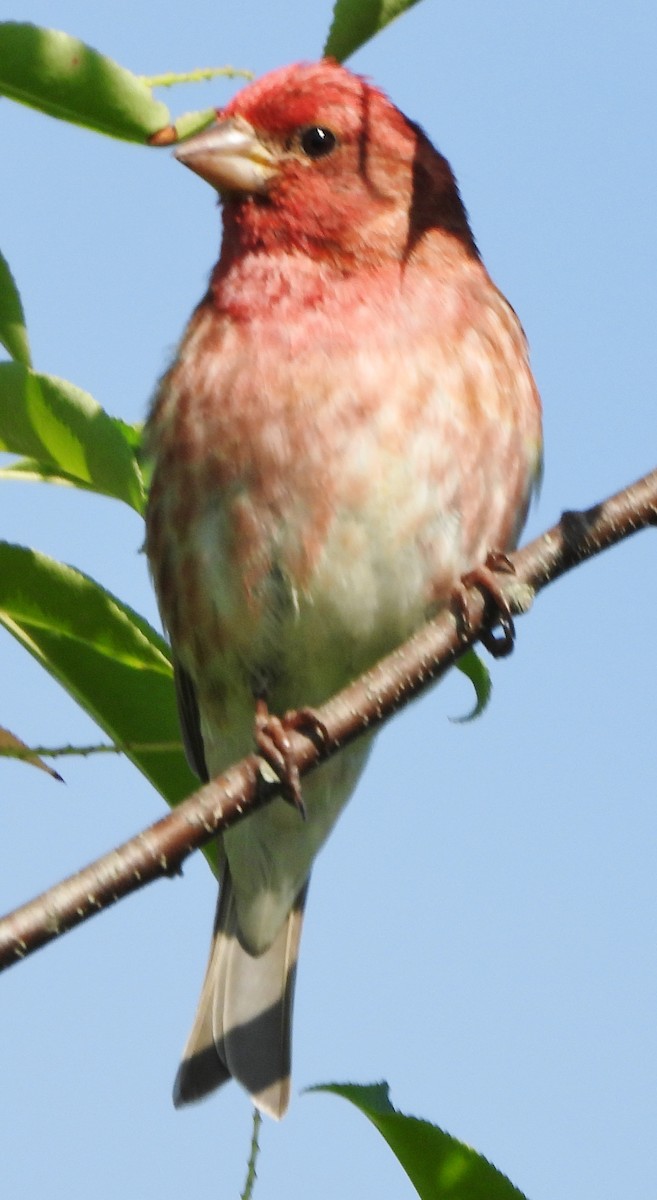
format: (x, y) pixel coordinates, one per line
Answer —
(242, 1027)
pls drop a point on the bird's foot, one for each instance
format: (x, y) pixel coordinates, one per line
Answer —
(273, 744)
(484, 577)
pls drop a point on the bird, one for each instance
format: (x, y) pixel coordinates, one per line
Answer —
(348, 426)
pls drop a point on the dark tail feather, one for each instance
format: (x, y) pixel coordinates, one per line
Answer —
(242, 1027)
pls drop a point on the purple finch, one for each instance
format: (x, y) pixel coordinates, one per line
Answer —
(349, 425)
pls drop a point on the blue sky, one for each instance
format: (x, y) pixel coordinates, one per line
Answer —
(481, 927)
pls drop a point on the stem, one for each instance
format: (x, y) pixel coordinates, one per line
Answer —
(247, 1194)
(198, 75)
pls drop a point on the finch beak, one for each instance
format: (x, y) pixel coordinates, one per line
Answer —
(229, 156)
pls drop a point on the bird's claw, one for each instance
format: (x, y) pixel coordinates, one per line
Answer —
(273, 744)
(306, 721)
(484, 577)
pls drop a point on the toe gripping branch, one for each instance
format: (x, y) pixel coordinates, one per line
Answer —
(498, 610)
(273, 744)
(272, 732)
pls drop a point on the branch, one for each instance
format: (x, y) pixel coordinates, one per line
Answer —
(23, 753)
(365, 704)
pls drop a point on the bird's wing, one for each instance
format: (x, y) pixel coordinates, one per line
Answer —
(190, 722)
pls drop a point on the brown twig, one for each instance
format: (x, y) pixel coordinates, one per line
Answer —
(365, 704)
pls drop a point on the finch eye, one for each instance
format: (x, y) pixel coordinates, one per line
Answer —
(316, 141)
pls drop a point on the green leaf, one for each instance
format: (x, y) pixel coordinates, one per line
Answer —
(356, 21)
(13, 334)
(64, 428)
(30, 470)
(471, 665)
(9, 741)
(438, 1166)
(193, 122)
(59, 75)
(133, 434)
(106, 656)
